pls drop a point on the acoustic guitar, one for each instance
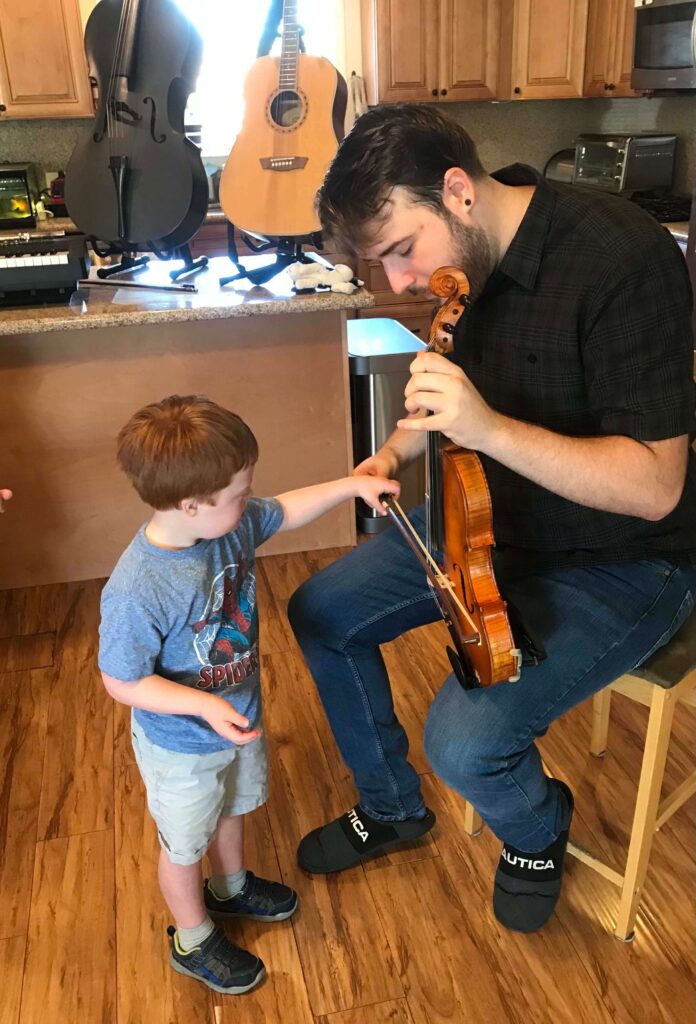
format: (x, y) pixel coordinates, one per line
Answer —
(295, 107)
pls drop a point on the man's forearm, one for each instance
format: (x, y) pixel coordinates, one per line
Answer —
(615, 474)
(405, 446)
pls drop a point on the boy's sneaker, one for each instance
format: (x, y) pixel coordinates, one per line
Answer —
(259, 899)
(217, 962)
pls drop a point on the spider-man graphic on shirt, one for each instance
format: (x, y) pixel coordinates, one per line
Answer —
(228, 632)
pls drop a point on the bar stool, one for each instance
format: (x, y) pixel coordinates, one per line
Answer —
(665, 679)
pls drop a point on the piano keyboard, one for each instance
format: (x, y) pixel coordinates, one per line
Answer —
(40, 269)
(46, 260)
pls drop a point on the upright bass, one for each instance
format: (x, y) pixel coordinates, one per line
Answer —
(459, 531)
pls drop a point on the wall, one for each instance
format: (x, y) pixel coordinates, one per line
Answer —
(528, 131)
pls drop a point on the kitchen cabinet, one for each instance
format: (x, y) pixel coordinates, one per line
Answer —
(430, 50)
(43, 68)
(542, 49)
(610, 32)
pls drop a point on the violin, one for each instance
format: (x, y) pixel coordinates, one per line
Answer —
(134, 178)
(459, 528)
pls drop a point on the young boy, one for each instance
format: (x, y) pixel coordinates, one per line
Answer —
(179, 643)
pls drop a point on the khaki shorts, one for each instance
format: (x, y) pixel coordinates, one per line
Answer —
(188, 793)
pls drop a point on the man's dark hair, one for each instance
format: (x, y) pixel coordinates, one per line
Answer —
(411, 145)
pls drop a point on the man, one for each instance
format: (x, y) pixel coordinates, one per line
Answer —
(572, 378)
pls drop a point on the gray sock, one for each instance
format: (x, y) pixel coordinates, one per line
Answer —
(191, 937)
(224, 886)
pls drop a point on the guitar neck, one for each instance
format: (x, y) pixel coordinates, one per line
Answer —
(290, 47)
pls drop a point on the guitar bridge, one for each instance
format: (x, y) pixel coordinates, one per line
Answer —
(283, 163)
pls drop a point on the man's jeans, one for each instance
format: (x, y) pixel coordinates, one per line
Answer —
(596, 623)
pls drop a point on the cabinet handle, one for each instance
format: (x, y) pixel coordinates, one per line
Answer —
(434, 92)
(517, 90)
(443, 92)
(3, 108)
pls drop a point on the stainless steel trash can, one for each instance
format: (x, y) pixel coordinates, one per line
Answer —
(380, 352)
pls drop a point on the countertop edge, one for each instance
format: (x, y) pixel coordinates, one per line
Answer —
(361, 299)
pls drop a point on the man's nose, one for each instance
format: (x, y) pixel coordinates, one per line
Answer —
(400, 280)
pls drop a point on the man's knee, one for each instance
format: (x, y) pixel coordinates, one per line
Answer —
(462, 741)
(317, 607)
(304, 608)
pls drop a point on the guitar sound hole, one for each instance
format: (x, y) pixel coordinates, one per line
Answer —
(286, 109)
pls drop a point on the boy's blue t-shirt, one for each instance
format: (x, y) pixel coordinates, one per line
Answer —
(190, 616)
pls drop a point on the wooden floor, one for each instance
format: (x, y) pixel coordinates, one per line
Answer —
(407, 940)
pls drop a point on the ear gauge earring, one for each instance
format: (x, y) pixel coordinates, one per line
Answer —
(467, 202)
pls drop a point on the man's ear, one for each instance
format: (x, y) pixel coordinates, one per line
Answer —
(459, 192)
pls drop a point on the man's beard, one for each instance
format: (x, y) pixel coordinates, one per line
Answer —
(471, 251)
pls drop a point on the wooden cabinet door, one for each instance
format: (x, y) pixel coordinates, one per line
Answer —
(600, 47)
(609, 56)
(400, 49)
(469, 49)
(624, 33)
(548, 41)
(399, 42)
(43, 69)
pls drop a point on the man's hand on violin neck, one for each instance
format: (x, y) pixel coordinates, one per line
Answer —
(458, 411)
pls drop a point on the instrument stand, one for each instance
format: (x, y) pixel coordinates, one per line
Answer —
(128, 263)
(191, 266)
(288, 250)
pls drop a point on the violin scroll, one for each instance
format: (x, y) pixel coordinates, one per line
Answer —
(451, 284)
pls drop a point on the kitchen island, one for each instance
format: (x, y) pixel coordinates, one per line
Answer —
(70, 376)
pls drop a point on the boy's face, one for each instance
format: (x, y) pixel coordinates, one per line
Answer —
(215, 520)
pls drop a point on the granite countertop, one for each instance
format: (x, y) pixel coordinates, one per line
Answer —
(679, 229)
(97, 305)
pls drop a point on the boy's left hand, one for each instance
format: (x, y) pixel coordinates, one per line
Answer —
(370, 489)
(5, 495)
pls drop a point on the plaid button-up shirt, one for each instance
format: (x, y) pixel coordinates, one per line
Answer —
(584, 329)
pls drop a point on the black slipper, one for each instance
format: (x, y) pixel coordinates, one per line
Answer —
(527, 885)
(354, 838)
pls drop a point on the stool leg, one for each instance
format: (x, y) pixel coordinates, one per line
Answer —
(473, 823)
(643, 829)
(601, 706)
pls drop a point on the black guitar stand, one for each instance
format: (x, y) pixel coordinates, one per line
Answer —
(288, 250)
(181, 252)
(191, 266)
(130, 261)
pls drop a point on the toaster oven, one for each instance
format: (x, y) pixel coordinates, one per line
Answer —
(625, 162)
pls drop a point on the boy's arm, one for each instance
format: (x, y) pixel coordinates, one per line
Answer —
(155, 693)
(308, 503)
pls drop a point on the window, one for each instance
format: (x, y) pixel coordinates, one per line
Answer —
(231, 30)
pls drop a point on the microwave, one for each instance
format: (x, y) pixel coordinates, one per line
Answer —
(664, 48)
(625, 162)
